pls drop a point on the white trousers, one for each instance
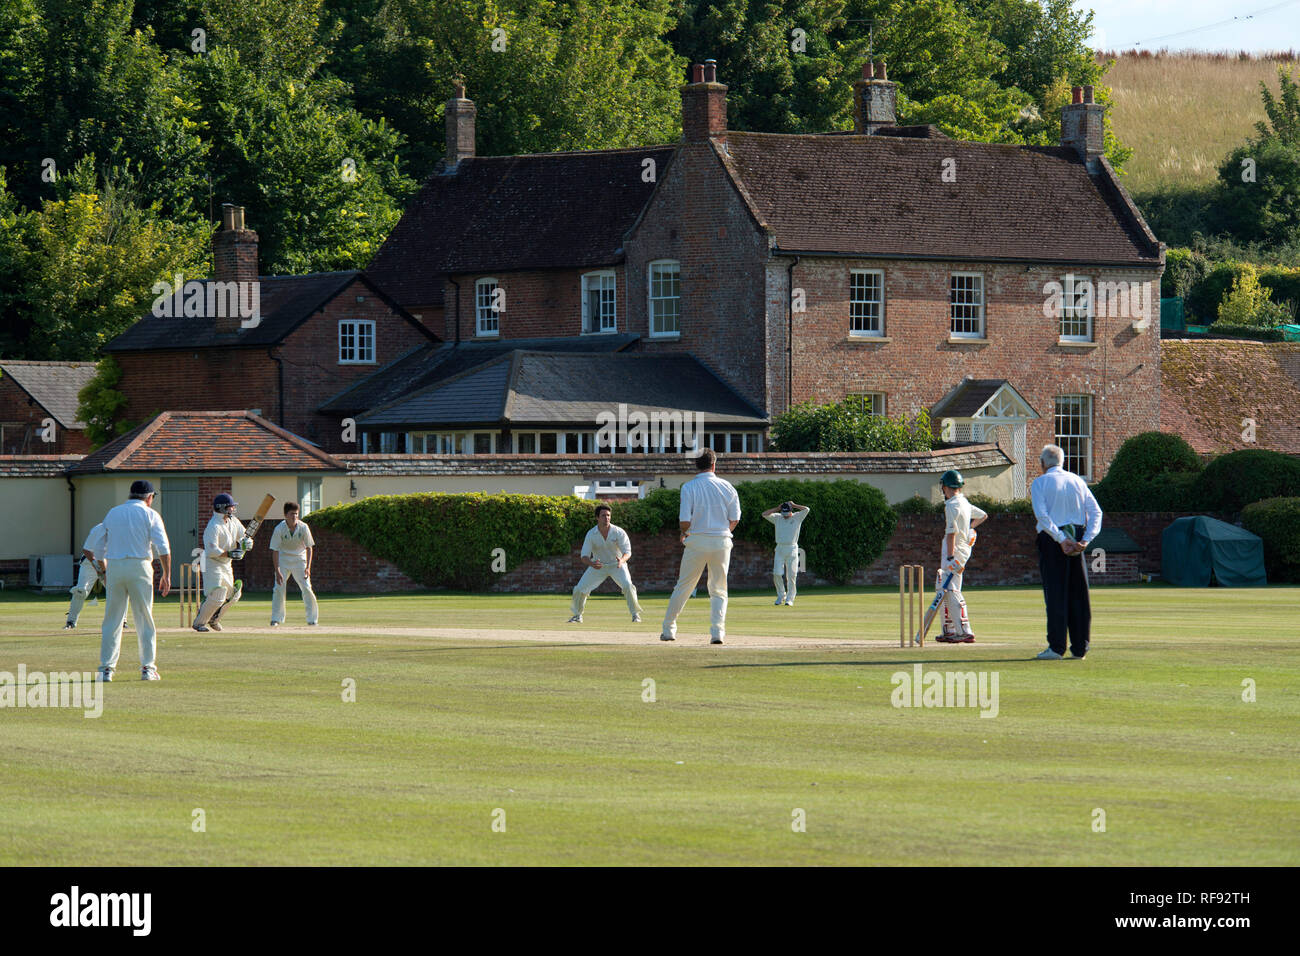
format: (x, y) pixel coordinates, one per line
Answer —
(711, 551)
(297, 570)
(218, 585)
(785, 571)
(130, 581)
(86, 579)
(952, 616)
(591, 579)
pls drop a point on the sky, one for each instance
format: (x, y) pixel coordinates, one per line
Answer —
(1255, 25)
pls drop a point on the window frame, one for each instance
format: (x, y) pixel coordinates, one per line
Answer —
(601, 274)
(1071, 307)
(359, 326)
(883, 403)
(879, 331)
(307, 501)
(981, 332)
(479, 309)
(1068, 441)
(651, 298)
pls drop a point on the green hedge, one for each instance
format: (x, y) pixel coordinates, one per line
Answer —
(448, 540)
(916, 505)
(848, 426)
(1277, 521)
(1232, 481)
(1146, 455)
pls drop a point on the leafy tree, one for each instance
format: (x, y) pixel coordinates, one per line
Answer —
(100, 404)
(1260, 180)
(1251, 304)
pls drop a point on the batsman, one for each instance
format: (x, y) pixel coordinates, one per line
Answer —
(962, 519)
(224, 540)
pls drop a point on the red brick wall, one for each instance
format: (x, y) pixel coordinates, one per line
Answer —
(17, 406)
(538, 303)
(223, 379)
(919, 366)
(1006, 554)
(697, 218)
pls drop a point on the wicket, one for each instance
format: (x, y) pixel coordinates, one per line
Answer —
(189, 593)
(911, 602)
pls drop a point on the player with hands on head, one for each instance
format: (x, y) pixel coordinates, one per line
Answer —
(787, 518)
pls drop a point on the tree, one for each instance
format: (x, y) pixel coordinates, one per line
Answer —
(100, 404)
(1260, 180)
(1248, 303)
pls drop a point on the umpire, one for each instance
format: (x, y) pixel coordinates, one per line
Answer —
(1068, 518)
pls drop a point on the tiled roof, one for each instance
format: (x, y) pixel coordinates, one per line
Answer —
(207, 441)
(1208, 387)
(286, 302)
(547, 388)
(548, 210)
(964, 457)
(53, 385)
(36, 466)
(884, 196)
(971, 395)
(428, 364)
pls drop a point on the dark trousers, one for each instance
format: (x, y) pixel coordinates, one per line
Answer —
(1065, 590)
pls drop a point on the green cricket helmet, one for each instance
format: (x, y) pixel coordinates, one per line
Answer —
(952, 479)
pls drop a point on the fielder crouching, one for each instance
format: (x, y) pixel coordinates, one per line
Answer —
(606, 551)
(223, 541)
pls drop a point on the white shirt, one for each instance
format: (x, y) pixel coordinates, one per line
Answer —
(1061, 497)
(95, 537)
(606, 550)
(220, 535)
(787, 529)
(130, 530)
(959, 512)
(295, 542)
(709, 504)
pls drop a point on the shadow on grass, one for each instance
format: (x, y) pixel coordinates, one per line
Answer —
(969, 662)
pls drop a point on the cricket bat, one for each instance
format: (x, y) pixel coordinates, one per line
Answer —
(262, 511)
(932, 609)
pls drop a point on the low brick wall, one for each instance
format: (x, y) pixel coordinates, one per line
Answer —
(1006, 554)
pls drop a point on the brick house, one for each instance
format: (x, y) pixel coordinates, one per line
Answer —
(315, 335)
(890, 263)
(38, 407)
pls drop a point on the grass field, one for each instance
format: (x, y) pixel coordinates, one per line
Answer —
(250, 726)
(1182, 114)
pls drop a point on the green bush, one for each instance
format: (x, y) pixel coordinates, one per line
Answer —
(848, 426)
(1170, 491)
(916, 505)
(1232, 481)
(1277, 521)
(445, 540)
(1250, 303)
(1148, 454)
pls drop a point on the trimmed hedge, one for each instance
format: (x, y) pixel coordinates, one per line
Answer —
(448, 540)
(1152, 471)
(1277, 521)
(1232, 481)
(848, 426)
(1144, 456)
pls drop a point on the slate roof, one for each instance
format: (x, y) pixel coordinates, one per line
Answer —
(286, 302)
(36, 466)
(207, 441)
(547, 388)
(428, 364)
(605, 466)
(882, 196)
(502, 213)
(53, 385)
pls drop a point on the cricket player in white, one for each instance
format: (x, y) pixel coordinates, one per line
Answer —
(292, 547)
(223, 541)
(129, 537)
(92, 570)
(710, 511)
(787, 518)
(959, 537)
(606, 551)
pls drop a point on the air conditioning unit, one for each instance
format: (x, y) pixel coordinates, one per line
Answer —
(50, 571)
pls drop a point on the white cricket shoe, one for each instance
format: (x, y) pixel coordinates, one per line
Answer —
(715, 640)
(275, 623)
(214, 625)
(576, 619)
(149, 673)
(665, 636)
(1049, 655)
(789, 603)
(636, 618)
(104, 674)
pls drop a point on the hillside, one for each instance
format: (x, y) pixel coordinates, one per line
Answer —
(1183, 112)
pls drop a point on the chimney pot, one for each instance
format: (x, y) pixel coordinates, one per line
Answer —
(697, 73)
(704, 104)
(710, 71)
(880, 70)
(1076, 94)
(1083, 126)
(1087, 94)
(875, 99)
(868, 71)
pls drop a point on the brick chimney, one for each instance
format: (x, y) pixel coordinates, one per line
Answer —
(875, 99)
(234, 258)
(704, 104)
(1083, 127)
(461, 114)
